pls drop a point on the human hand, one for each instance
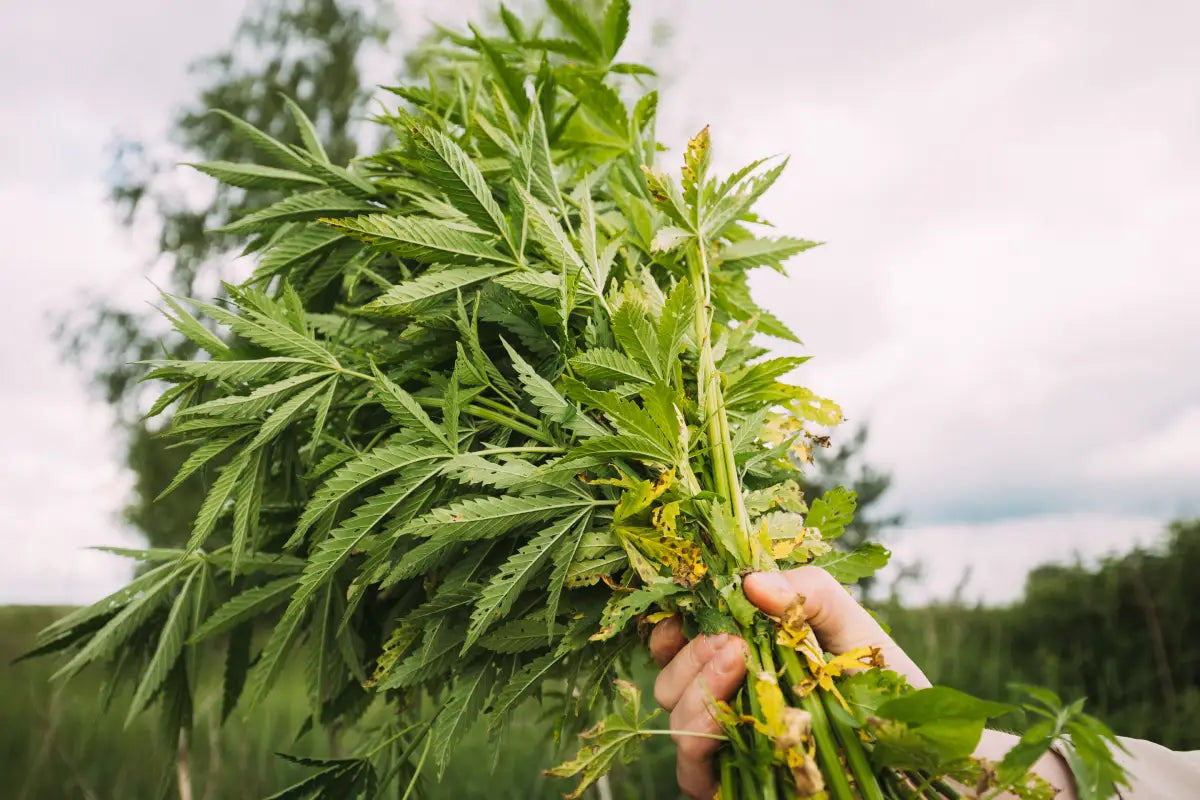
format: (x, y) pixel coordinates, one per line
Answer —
(709, 668)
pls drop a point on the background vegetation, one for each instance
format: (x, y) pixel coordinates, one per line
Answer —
(1125, 634)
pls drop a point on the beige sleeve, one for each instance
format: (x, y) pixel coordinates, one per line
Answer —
(1156, 773)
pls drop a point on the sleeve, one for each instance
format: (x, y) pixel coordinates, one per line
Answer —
(1156, 773)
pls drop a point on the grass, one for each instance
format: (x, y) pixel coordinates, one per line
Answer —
(63, 741)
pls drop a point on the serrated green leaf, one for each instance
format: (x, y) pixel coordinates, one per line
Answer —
(266, 144)
(246, 606)
(626, 415)
(638, 338)
(322, 203)
(548, 232)
(498, 596)
(247, 500)
(191, 328)
(271, 334)
(832, 512)
(430, 241)
(254, 176)
(405, 297)
(521, 635)
(236, 371)
(407, 411)
(553, 405)
(861, 562)
(453, 171)
(523, 684)
(627, 446)
(383, 461)
(507, 79)
(308, 131)
(459, 713)
(333, 551)
(170, 646)
(605, 364)
(214, 502)
(124, 624)
(197, 459)
(489, 517)
(258, 402)
(616, 26)
(281, 257)
(288, 411)
(576, 22)
(750, 253)
(533, 284)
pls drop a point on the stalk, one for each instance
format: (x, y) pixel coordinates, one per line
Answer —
(728, 790)
(827, 751)
(711, 399)
(856, 754)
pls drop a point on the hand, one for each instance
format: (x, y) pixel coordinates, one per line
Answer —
(712, 668)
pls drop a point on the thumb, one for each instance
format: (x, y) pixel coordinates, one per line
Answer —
(839, 622)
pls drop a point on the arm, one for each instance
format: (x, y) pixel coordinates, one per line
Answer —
(712, 667)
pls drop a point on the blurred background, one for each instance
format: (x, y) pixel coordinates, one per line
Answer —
(1007, 308)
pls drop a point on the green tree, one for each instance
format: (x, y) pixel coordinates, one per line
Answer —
(1124, 634)
(308, 50)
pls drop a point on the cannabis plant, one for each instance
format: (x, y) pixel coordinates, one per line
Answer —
(493, 401)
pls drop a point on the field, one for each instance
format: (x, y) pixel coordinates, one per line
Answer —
(66, 742)
(1125, 635)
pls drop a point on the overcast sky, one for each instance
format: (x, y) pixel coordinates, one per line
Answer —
(1010, 293)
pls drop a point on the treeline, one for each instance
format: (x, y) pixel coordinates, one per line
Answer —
(1125, 635)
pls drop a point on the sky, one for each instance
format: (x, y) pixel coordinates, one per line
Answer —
(1009, 293)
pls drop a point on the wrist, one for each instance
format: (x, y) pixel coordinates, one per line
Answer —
(1051, 767)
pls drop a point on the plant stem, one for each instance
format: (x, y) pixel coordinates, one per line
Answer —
(504, 409)
(827, 754)
(512, 424)
(712, 402)
(856, 756)
(727, 788)
(495, 451)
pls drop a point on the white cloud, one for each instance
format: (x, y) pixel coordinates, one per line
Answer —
(1171, 452)
(988, 562)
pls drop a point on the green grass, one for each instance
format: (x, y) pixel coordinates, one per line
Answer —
(63, 741)
(1125, 635)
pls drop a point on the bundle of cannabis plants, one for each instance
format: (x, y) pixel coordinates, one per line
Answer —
(494, 401)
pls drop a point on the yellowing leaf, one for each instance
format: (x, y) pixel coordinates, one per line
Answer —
(611, 739)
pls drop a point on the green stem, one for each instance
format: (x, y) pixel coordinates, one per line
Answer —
(728, 790)
(764, 745)
(827, 753)
(506, 422)
(504, 409)
(856, 755)
(712, 402)
(495, 451)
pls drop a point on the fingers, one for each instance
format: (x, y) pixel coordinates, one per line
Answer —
(685, 667)
(667, 639)
(718, 679)
(837, 619)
